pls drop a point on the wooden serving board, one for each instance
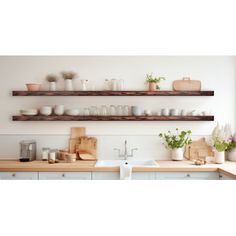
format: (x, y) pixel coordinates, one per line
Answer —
(76, 132)
(199, 149)
(187, 85)
(87, 145)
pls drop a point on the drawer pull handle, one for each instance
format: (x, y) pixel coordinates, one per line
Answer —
(188, 175)
(63, 175)
(13, 175)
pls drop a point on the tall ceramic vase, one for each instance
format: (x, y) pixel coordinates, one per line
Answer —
(219, 157)
(177, 154)
(68, 85)
(52, 86)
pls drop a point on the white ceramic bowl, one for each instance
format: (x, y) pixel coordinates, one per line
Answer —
(46, 110)
(72, 112)
(29, 112)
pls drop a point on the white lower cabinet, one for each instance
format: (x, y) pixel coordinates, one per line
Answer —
(187, 175)
(64, 175)
(19, 175)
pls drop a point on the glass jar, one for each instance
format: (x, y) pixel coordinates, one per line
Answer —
(45, 154)
(112, 110)
(104, 110)
(120, 85)
(114, 84)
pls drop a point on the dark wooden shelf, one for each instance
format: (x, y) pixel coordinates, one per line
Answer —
(112, 118)
(113, 93)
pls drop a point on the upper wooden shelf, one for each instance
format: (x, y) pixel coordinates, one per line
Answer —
(113, 93)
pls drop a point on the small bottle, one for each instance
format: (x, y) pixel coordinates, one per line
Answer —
(107, 85)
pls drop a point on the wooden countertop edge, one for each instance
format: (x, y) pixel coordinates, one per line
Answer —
(227, 172)
(15, 166)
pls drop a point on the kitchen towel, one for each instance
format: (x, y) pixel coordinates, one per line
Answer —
(125, 172)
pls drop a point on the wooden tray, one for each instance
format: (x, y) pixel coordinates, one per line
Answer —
(186, 84)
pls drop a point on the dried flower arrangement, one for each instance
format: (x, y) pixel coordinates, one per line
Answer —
(68, 75)
(51, 78)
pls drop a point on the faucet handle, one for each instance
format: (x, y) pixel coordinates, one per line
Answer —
(132, 151)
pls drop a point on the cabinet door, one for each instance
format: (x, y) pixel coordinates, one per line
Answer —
(187, 175)
(143, 175)
(65, 175)
(105, 175)
(19, 175)
(224, 177)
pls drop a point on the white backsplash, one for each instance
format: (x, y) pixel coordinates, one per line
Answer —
(149, 146)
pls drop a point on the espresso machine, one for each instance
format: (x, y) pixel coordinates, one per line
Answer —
(27, 150)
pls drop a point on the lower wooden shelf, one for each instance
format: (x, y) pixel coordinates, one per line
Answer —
(112, 118)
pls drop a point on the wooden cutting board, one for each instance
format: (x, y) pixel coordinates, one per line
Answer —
(199, 149)
(186, 84)
(76, 132)
(87, 145)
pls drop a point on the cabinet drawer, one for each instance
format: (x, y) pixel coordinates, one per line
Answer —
(65, 175)
(19, 175)
(188, 175)
(143, 176)
(105, 175)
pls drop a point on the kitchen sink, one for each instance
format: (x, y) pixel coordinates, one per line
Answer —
(134, 163)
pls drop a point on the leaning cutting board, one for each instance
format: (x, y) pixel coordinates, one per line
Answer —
(76, 132)
(199, 149)
(186, 84)
(87, 145)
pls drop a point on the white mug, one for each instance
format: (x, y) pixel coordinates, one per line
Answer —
(59, 110)
(46, 110)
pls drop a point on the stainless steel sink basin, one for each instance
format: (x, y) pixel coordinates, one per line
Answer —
(134, 163)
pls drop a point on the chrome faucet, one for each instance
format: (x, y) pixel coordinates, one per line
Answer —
(125, 155)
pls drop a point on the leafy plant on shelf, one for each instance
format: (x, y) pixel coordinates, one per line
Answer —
(51, 78)
(69, 75)
(222, 138)
(178, 140)
(151, 79)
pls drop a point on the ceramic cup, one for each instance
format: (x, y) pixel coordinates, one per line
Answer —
(183, 112)
(59, 110)
(174, 112)
(165, 112)
(46, 110)
(135, 111)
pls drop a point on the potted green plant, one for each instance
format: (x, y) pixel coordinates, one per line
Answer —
(68, 76)
(52, 79)
(153, 82)
(176, 142)
(221, 139)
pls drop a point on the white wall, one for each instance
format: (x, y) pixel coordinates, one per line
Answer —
(216, 73)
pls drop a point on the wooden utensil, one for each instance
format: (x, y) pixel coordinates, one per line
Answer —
(198, 150)
(186, 84)
(87, 145)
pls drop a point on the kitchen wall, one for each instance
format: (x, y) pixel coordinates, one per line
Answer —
(216, 73)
